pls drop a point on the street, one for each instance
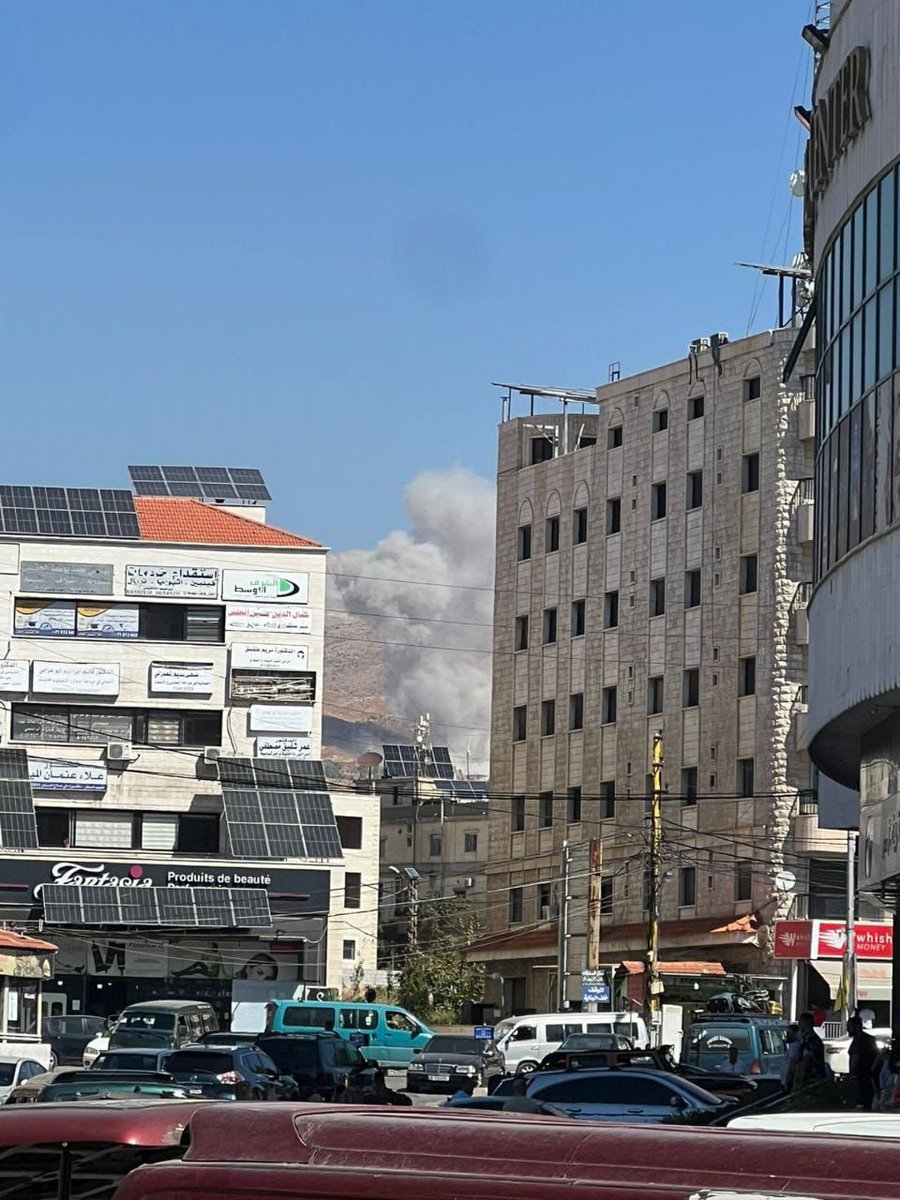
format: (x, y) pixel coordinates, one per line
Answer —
(396, 1081)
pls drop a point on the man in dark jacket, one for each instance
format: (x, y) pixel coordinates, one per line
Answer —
(863, 1052)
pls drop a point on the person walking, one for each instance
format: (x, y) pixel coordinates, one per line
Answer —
(863, 1053)
(791, 1055)
(811, 1066)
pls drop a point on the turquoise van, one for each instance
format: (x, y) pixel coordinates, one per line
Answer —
(384, 1033)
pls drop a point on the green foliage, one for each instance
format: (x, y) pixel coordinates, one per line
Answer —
(437, 979)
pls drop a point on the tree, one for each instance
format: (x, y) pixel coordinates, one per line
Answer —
(437, 976)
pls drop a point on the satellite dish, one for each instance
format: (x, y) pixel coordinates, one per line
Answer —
(785, 881)
(370, 759)
(797, 184)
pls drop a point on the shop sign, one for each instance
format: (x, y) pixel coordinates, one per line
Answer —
(838, 119)
(55, 619)
(77, 679)
(14, 674)
(278, 718)
(262, 618)
(269, 657)
(259, 586)
(283, 747)
(114, 621)
(79, 579)
(194, 679)
(51, 775)
(190, 583)
(811, 940)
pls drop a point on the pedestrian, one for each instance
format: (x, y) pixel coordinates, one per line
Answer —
(380, 1093)
(888, 1070)
(863, 1053)
(811, 1066)
(520, 1101)
(791, 1055)
(466, 1090)
(371, 995)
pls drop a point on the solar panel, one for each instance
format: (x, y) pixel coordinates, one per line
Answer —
(443, 765)
(404, 761)
(277, 823)
(200, 483)
(304, 774)
(462, 789)
(68, 512)
(188, 908)
(18, 826)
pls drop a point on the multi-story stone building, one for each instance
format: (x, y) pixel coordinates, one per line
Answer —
(654, 557)
(162, 670)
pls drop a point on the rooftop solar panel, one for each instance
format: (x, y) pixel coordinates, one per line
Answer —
(303, 774)
(277, 823)
(200, 483)
(68, 512)
(187, 908)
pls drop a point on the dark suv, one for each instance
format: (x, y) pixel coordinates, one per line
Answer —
(231, 1072)
(321, 1063)
(69, 1035)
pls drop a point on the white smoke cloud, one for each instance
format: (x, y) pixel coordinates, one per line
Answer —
(434, 582)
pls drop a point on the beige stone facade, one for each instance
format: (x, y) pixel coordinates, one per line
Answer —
(664, 589)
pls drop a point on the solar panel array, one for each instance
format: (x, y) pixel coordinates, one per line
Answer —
(213, 908)
(405, 761)
(200, 483)
(18, 826)
(303, 774)
(68, 512)
(462, 789)
(276, 823)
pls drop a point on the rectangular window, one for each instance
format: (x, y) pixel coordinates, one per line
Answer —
(607, 799)
(517, 814)
(578, 618)
(610, 610)
(544, 891)
(352, 889)
(750, 473)
(657, 597)
(608, 706)
(606, 896)
(695, 407)
(888, 245)
(515, 906)
(690, 688)
(746, 776)
(348, 950)
(551, 535)
(576, 710)
(470, 843)
(655, 694)
(53, 826)
(521, 640)
(687, 887)
(548, 718)
(541, 449)
(435, 845)
(752, 388)
(549, 626)
(748, 573)
(350, 832)
(523, 543)
(747, 676)
(198, 833)
(694, 490)
(573, 806)
(660, 420)
(96, 726)
(104, 831)
(691, 589)
(614, 515)
(657, 502)
(688, 787)
(579, 526)
(614, 437)
(520, 723)
(743, 879)
(545, 810)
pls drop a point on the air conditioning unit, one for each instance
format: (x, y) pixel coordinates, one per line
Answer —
(470, 882)
(212, 754)
(698, 345)
(119, 752)
(719, 339)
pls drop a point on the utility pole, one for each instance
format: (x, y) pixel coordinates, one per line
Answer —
(653, 906)
(563, 952)
(849, 988)
(412, 925)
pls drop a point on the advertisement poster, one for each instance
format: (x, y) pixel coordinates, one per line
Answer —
(269, 658)
(77, 679)
(260, 586)
(193, 679)
(14, 675)
(55, 619)
(287, 718)
(190, 583)
(79, 579)
(283, 747)
(51, 775)
(116, 621)
(259, 618)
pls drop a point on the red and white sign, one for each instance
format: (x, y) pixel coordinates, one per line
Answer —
(828, 939)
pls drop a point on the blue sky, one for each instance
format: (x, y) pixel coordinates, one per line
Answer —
(306, 236)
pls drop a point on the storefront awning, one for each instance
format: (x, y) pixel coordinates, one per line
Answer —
(873, 980)
(175, 907)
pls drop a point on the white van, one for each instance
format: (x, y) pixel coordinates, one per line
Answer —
(524, 1041)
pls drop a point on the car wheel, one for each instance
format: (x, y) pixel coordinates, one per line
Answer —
(526, 1068)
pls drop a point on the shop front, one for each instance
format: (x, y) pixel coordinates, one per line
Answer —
(817, 951)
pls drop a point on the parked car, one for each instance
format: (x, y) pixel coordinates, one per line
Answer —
(16, 1071)
(130, 1060)
(524, 1041)
(320, 1063)
(243, 1072)
(843, 1124)
(94, 1047)
(495, 1104)
(735, 1044)
(163, 1023)
(837, 1050)
(739, 1086)
(635, 1095)
(447, 1060)
(221, 1037)
(385, 1034)
(124, 1089)
(596, 1041)
(69, 1035)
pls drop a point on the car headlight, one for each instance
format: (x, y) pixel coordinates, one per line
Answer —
(470, 1070)
(416, 1067)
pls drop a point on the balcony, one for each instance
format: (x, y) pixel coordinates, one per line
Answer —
(799, 718)
(799, 605)
(809, 840)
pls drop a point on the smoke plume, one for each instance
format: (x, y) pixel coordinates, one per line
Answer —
(424, 597)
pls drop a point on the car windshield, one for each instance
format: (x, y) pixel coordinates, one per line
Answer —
(714, 1045)
(196, 1062)
(7, 1074)
(114, 1060)
(444, 1044)
(146, 1020)
(591, 1041)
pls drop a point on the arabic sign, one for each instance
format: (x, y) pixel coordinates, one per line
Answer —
(261, 618)
(49, 775)
(283, 747)
(80, 579)
(34, 619)
(116, 621)
(812, 940)
(269, 658)
(259, 586)
(289, 718)
(197, 583)
(14, 675)
(80, 679)
(186, 677)
(595, 987)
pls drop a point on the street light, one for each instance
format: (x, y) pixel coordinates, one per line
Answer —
(815, 37)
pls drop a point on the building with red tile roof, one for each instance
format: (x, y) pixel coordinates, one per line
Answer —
(191, 522)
